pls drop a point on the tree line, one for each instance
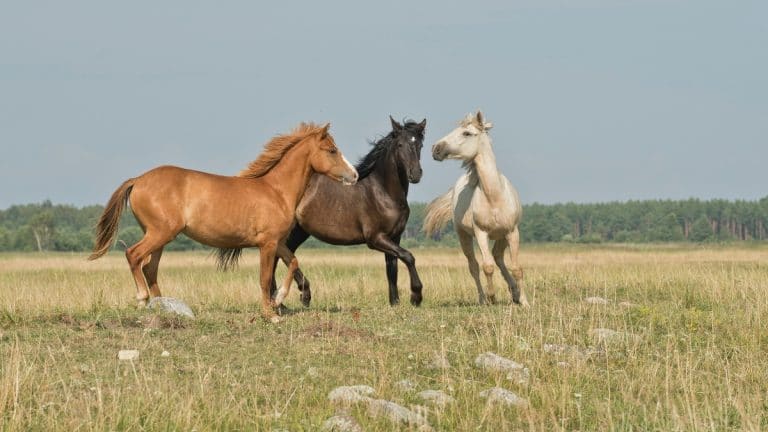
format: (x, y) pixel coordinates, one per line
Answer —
(55, 227)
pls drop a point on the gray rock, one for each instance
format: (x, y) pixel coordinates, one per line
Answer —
(493, 362)
(341, 423)
(596, 300)
(170, 304)
(406, 385)
(437, 397)
(347, 395)
(395, 413)
(439, 362)
(503, 396)
(607, 336)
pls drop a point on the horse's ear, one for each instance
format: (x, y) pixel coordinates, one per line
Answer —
(395, 125)
(324, 129)
(479, 119)
(423, 124)
(487, 125)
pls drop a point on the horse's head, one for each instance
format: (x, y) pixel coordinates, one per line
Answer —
(464, 142)
(408, 141)
(325, 158)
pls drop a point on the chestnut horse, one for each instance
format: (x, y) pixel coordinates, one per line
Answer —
(373, 212)
(254, 209)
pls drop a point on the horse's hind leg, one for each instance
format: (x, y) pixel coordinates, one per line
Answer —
(139, 256)
(518, 295)
(474, 269)
(150, 272)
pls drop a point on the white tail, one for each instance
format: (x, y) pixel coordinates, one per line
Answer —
(439, 213)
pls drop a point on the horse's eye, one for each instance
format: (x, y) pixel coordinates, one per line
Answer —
(467, 133)
(332, 151)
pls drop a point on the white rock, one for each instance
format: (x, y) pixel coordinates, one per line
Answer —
(406, 385)
(437, 397)
(128, 354)
(596, 300)
(341, 423)
(170, 304)
(346, 395)
(395, 413)
(515, 371)
(165, 354)
(506, 397)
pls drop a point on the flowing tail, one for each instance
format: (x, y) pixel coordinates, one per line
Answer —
(439, 213)
(106, 229)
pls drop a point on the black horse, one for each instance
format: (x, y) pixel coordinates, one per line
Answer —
(374, 211)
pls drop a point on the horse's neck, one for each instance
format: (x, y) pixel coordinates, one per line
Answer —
(487, 173)
(291, 174)
(388, 174)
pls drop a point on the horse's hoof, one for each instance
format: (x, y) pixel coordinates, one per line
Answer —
(492, 299)
(305, 300)
(394, 302)
(276, 319)
(281, 309)
(141, 303)
(416, 299)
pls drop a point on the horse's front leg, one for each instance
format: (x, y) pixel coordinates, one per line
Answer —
(391, 266)
(385, 244)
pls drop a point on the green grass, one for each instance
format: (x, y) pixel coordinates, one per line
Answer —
(699, 363)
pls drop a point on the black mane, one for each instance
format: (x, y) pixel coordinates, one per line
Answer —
(368, 162)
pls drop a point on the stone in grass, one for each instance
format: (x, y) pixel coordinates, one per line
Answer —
(170, 304)
(397, 413)
(608, 336)
(439, 361)
(596, 300)
(347, 395)
(341, 423)
(503, 396)
(437, 397)
(494, 362)
(128, 355)
(406, 385)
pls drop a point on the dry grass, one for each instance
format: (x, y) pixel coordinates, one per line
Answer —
(698, 363)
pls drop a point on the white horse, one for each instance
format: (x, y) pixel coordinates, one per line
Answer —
(484, 205)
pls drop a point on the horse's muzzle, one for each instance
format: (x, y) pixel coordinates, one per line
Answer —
(438, 151)
(349, 180)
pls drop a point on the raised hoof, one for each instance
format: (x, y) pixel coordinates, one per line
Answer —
(306, 298)
(416, 299)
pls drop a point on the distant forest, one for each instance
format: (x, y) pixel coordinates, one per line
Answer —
(55, 227)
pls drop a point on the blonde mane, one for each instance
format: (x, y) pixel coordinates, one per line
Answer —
(276, 148)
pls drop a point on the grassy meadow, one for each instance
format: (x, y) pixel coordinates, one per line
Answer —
(696, 357)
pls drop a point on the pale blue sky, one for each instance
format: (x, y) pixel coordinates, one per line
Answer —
(591, 100)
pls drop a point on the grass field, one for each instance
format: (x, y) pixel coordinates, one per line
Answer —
(696, 359)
